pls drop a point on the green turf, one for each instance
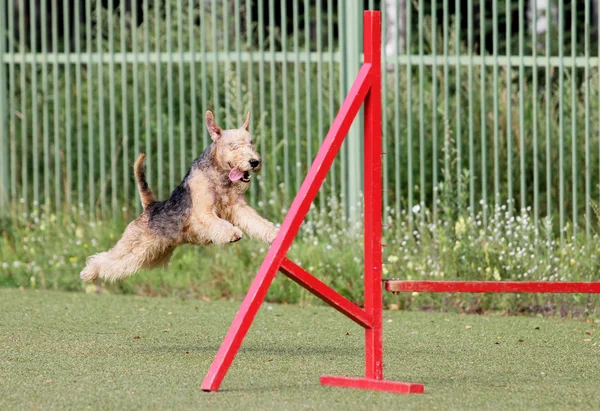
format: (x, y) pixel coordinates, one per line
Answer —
(75, 351)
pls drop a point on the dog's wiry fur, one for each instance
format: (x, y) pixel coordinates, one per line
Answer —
(207, 207)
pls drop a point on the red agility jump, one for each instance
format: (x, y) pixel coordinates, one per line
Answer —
(366, 89)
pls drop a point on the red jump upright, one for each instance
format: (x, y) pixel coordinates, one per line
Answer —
(367, 89)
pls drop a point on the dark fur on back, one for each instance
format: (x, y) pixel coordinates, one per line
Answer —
(167, 217)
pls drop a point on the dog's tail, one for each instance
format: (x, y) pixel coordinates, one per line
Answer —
(140, 174)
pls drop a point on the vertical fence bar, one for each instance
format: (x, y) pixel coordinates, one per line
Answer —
(522, 104)
(215, 50)
(112, 113)
(434, 110)
(159, 105)
(68, 114)
(535, 98)
(25, 183)
(182, 100)
(238, 65)
(330, 46)
(458, 135)
(397, 142)
(341, 95)
(284, 83)
(45, 102)
(34, 109)
(148, 96)
(204, 71)
(192, 49)
(470, 46)
(561, 124)
(170, 111)
(421, 110)
(409, 112)
(496, 108)
(12, 107)
(124, 105)
(484, 149)
(548, 104)
(588, 198)
(384, 114)
(100, 54)
(136, 95)
(509, 150)
(253, 187)
(573, 30)
(3, 120)
(297, 159)
(78, 84)
(320, 89)
(262, 144)
(227, 65)
(273, 165)
(90, 106)
(446, 119)
(307, 104)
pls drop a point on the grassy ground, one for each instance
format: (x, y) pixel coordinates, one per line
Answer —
(68, 350)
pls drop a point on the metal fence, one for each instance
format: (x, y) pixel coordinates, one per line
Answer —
(485, 103)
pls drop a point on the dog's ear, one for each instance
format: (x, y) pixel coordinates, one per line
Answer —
(246, 125)
(213, 129)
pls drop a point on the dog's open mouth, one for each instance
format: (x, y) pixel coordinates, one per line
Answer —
(236, 174)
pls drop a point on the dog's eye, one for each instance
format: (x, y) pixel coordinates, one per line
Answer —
(252, 142)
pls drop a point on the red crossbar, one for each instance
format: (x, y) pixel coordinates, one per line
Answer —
(492, 286)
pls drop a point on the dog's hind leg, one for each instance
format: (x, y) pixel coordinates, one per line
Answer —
(112, 265)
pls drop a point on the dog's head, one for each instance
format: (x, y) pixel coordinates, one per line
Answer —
(234, 149)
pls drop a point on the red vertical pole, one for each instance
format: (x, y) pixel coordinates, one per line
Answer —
(372, 196)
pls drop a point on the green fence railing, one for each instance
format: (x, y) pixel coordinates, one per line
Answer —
(485, 103)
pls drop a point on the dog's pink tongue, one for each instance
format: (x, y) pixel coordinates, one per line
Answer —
(235, 174)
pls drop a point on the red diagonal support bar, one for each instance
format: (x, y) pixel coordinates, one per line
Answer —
(297, 274)
(492, 286)
(289, 228)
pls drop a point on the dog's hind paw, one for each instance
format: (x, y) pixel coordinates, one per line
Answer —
(88, 274)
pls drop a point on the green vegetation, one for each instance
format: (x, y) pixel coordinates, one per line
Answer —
(74, 351)
(44, 252)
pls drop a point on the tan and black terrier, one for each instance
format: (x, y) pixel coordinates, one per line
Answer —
(208, 207)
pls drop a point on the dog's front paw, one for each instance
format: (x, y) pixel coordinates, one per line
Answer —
(236, 235)
(271, 235)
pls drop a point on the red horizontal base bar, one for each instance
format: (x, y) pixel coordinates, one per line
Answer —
(492, 286)
(373, 385)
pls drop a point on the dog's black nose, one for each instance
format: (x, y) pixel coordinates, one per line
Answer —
(254, 163)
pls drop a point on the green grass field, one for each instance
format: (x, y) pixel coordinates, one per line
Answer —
(75, 351)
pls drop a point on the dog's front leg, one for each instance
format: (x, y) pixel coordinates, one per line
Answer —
(246, 218)
(212, 229)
